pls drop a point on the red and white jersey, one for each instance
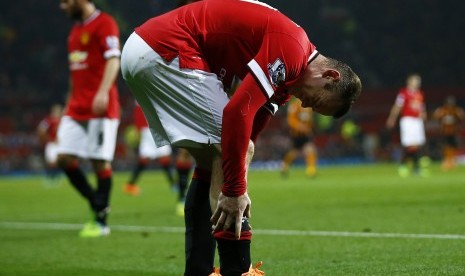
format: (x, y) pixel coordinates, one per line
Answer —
(90, 44)
(232, 38)
(139, 118)
(411, 101)
(49, 125)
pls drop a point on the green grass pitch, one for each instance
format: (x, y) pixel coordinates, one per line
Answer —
(354, 220)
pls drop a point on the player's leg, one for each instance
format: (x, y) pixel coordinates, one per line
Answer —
(453, 150)
(190, 118)
(291, 155)
(310, 154)
(413, 156)
(137, 62)
(72, 139)
(235, 257)
(101, 209)
(449, 149)
(412, 136)
(163, 154)
(101, 148)
(183, 168)
(199, 242)
(51, 167)
(131, 187)
(146, 152)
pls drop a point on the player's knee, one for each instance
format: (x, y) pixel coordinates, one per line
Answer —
(64, 161)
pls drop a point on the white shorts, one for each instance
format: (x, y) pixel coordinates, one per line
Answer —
(51, 152)
(412, 132)
(183, 107)
(93, 139)
(147, 147)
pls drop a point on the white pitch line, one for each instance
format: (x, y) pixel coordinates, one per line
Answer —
(270, 232)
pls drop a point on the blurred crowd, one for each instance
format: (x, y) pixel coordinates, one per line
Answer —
(384, 40)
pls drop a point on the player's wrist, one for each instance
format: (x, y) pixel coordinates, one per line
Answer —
(233, 190)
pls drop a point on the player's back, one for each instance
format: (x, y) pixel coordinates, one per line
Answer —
(213, 35)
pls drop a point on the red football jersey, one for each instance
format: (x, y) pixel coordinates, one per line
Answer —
(50, 126)
(231, 38)
(139, 117)
(411, 101)
(243, 39)
(90, 44)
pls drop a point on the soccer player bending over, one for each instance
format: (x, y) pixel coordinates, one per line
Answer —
(180, 67)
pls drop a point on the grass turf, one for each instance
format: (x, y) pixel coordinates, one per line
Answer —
(360, 199)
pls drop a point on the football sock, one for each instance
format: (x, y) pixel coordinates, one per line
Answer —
(289, 158)
(415, 157)
(449, 155)
(234, 257)
(138, 169)
(311, 161)
(200, 244)
(183, 183)
(52, 172)
(102, 195)
(234, 254)
(79, 181)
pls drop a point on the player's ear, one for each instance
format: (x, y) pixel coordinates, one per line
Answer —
(332, 74)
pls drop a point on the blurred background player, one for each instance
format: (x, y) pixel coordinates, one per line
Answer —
(47, 132)
(184, 165)
(300, 122)
(147, 151)
(410, 105)
(449, 115)
(89, 126)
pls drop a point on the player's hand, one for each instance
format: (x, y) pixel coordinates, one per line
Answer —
(229, 211)
(390, 124)
(100, 103)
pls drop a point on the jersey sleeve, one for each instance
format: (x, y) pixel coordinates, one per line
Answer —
(280, 62)
(109, 38)
(400, 99)
(43, 125)
(237, 130)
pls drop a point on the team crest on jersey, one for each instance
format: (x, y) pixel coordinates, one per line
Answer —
(277, 71)
(85, 37)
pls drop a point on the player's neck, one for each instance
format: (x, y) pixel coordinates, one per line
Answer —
(87, 11)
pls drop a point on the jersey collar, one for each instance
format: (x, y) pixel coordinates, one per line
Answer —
(91, 17)
(312, 56)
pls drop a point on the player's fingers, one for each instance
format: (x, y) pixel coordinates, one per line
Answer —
(247, 212)
(228, 222)
(216, 215)
(238, 226)
(220, 223)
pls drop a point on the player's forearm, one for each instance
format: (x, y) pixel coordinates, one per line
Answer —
(238, 117)
(109, 74)
(395, 110)
(261, 120)
(424, 115)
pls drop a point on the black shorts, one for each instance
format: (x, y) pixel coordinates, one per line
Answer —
(450, 140)
(300, 141)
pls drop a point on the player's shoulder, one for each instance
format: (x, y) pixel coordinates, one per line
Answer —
(403, 90)
(105, 17)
